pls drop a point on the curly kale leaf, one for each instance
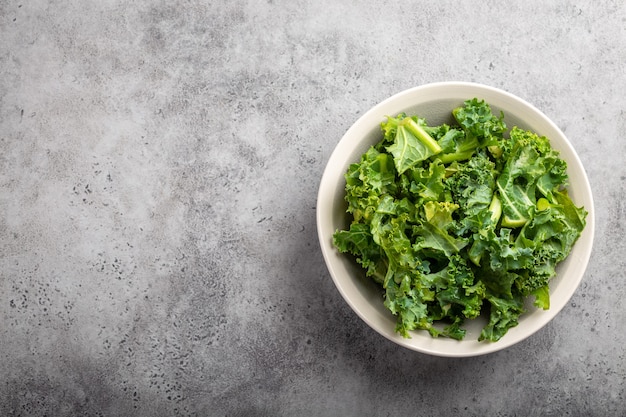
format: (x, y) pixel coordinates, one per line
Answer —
(532, 170)
(504, 313)
(433, 234)
(472, 186)
(412, 143)
(479, 123)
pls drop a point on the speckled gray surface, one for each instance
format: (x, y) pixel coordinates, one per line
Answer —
(159, 164)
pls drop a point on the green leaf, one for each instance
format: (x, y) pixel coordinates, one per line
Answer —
(433, 233)
(359, 242)
(412, 144)
(504, 314)
(516, 185)
(542, 297)
(478, 121)
(427, 182)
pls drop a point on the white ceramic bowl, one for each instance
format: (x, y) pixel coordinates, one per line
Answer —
(435, 102)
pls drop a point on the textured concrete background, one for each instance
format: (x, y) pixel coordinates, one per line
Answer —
(159, 164)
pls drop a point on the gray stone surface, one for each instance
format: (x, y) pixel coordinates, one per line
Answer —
(159, 164)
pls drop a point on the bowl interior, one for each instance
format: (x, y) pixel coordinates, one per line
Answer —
(434, 102)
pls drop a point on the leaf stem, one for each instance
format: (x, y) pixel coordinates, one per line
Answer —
(419, 132)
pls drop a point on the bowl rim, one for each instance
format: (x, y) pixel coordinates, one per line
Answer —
(447, 89)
